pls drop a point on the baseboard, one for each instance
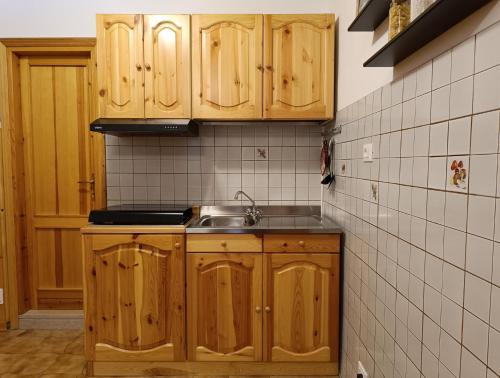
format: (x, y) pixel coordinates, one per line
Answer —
(307, 369)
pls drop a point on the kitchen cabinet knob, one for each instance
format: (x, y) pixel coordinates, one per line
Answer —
(177, 245)
(224, 244)
(258, 310)
(139, 67)
(148, 67)
(301, 243)
(285, 244)
(268, 309)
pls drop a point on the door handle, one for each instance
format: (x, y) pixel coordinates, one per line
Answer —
(91, 182)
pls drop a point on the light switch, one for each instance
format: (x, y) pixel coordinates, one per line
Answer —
(368, 152)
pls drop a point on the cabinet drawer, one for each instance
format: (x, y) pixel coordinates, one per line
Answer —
(320, 243)
(224, 243)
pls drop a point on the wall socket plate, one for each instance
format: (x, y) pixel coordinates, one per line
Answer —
(362, 373)
(368, 152)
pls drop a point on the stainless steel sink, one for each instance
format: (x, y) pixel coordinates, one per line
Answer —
(226, 221)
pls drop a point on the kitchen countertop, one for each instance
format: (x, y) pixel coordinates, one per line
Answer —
(275, 219)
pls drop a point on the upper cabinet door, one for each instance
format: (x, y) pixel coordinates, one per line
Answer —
(298, 59)
(227, 66)
(120, 75)
(167, 64)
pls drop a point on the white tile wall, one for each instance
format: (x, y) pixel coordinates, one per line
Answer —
(422, 260)
(209, 169)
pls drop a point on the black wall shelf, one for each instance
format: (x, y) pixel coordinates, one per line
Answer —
(435, 20)
(371, 16)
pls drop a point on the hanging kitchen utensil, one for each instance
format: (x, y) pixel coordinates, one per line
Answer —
(324, 157)
(330, 177)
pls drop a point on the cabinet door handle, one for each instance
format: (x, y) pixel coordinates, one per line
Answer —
(224, 244)
(258, 310)
(301, 243)
(285, 244)
(267, 309)
(148, 67)
(139, 67)
(177, 245)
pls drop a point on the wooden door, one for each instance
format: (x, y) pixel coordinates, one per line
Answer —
(224, 307)
(298, 60)
(120, 75)
(134, 297)
(167, 61)
(60, 159)
(227, 66)
(301, 299)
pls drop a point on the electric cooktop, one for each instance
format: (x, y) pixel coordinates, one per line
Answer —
(142, 214)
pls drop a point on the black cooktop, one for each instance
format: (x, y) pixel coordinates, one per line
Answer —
(142, 214)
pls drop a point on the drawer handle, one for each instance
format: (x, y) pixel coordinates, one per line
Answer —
(268, 309)
(258, 310)
(177, 245)
(285, 244)
(301, 243)
(224, 244)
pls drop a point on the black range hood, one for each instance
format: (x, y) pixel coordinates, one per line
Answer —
(140, 126)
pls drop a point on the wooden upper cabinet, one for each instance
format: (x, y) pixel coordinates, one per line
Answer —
(298, 61)
(224, 307)
(120, 75)
(167, 63)
(301, 304)
(227, 66)
(134, 307)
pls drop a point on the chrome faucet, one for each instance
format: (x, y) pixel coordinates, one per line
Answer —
(252, 212)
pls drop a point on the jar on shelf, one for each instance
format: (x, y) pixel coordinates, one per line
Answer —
(418, 7)
(399, 17)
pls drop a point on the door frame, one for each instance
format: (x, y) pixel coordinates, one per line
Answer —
(12, 206)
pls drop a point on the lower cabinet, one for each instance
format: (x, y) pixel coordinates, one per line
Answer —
(301, 297)
(263, 307)
(134, 297)
(224, 306)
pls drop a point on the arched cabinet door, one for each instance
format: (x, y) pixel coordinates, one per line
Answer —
(134, 297)
(224, 307)
(298, 63)
(120, 74)
(227, 66)
(167, 65)
(301, 307)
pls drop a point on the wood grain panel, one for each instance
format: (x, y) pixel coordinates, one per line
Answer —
(227, 66)
(120, 75)
(319, 243)
(134, 298)
(224, 243)
(298, 60)
(301, 299)
(224, 301)
(167, 61)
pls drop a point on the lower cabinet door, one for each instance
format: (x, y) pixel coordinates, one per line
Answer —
(301, 301)
(224, 306)
(134, 287)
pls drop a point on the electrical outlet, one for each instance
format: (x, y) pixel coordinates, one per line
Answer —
(1, 295)
(368, 152)
(362, 373)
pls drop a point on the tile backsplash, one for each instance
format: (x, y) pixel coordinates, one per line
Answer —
(421, 293)
(275, 164)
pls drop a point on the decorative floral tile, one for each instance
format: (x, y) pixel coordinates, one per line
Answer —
(457, 174)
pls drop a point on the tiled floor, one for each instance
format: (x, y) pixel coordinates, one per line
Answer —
(46, 353)
(41, 353)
